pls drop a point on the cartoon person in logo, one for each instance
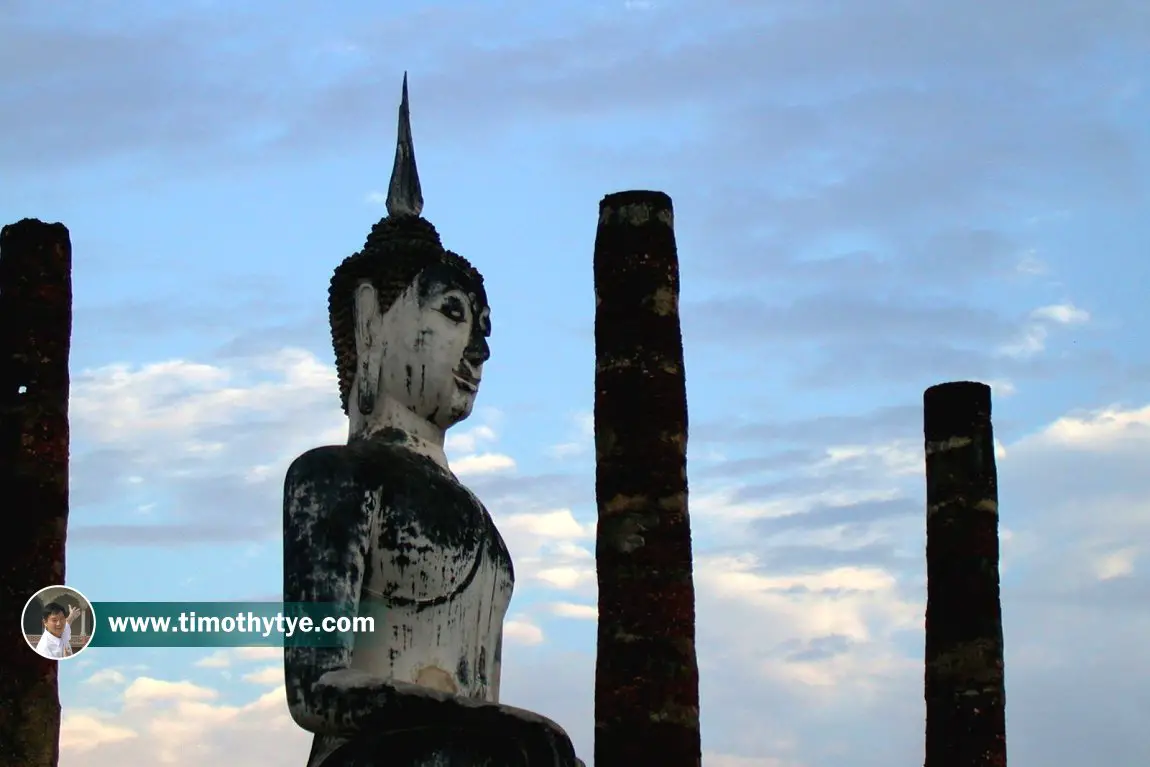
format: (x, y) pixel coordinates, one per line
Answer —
(56, 641)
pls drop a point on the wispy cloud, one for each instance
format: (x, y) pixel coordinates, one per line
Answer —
(1063, 314)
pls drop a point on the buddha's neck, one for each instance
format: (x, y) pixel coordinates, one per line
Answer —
(421, 436)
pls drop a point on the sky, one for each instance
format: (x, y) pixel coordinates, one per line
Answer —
(871, 198)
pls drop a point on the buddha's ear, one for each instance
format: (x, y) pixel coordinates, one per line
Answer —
(368, 346)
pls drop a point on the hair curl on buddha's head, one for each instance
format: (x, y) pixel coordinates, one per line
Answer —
(397, 251)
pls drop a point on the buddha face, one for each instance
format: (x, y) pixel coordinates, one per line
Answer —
(429, 346)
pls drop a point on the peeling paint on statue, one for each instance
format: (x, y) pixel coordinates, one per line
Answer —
(382, 524)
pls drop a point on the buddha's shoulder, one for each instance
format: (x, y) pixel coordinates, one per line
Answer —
(356, 464)
(319, 463)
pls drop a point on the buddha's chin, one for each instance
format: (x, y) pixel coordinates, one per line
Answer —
(461, 406)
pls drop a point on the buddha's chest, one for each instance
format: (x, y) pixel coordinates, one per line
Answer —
(433, 542)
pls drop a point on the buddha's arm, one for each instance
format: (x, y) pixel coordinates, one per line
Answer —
(326, 531)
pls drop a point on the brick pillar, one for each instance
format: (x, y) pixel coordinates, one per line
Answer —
(35, 337)
(646, 675)
(965, 696)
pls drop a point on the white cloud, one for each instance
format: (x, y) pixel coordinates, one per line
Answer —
(566, 577)
(560, 523)
(892, 459)
(272, 676)
(1117, 564)
(1002, 387)
(522, 631)
(1030, 341)
(146, 690)
(174, 397)
(1033, 337)
(548, 547)
(165, 421)
(1062, 314)
(470, 440)
(1105, 429)
(106, 676)
(824, 603)
(192, 728)
(576, 611)
(818, 638)
(220, 659)
(736, 575)
(720, 505)
(484, 463)
(82, 731)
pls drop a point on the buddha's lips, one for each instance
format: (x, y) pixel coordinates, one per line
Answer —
(466, 381)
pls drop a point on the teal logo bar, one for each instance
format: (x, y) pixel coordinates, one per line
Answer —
(230, 624)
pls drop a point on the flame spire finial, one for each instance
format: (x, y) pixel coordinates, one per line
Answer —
(404, 195)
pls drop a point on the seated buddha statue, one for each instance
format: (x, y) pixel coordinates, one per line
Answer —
(381, 525)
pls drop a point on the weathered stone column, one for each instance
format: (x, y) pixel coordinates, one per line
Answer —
(965, 696)
(646, 675)
(35, 338)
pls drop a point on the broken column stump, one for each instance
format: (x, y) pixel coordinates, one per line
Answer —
(35, 339)
(646, 674)
(964, 684)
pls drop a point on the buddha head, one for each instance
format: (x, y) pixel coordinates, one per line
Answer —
(409, 319)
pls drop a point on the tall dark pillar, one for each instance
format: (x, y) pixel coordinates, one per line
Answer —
(35, 339)
(646, 675)
(965, 695)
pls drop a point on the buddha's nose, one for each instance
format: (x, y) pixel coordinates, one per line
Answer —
(478, 351)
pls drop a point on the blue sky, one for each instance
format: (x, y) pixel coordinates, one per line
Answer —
(870, 197)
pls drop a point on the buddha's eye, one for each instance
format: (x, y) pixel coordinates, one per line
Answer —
(453, 309)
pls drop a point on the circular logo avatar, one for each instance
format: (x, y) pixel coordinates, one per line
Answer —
(58, 622)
